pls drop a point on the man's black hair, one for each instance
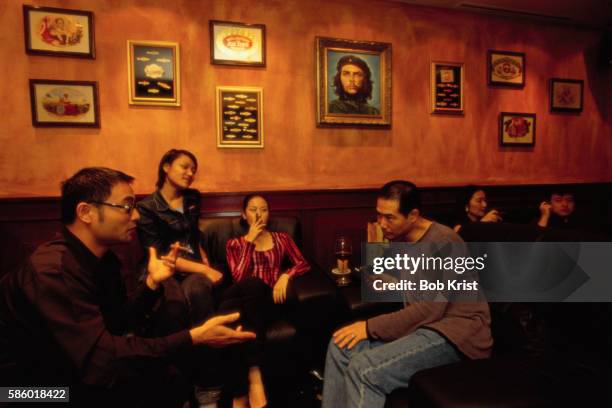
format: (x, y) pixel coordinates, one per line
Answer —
(558, 190)
(88, 185)
(403, 191)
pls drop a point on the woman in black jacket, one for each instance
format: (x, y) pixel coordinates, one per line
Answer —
(171, 214)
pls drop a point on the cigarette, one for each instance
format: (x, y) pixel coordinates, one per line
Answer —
(183, 248)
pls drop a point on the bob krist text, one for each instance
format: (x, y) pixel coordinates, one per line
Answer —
(402, 264)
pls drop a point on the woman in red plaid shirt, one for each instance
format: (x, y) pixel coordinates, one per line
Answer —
(255, 261)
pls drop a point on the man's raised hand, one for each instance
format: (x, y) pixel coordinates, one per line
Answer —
(160, 269)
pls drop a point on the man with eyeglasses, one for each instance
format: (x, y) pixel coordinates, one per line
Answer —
(65, 316)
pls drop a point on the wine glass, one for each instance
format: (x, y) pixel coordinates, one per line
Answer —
(343, 251)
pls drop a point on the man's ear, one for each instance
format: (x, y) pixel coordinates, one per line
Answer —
(84, 212)
(414, 213)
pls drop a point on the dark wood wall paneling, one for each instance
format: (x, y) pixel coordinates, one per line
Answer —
(326, 214)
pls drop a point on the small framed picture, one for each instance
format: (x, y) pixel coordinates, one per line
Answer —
(59, 32)
(237, 43)
(353, 83)
(566, 95)
(517, 129)
(447, 87)
(64, 103)
(154, 73)
(240, 117)
(506, 68)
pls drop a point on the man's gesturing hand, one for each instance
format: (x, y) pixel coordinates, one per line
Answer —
(214, 333)
(162, 268)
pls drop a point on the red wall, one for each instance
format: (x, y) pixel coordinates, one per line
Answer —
(428, 149)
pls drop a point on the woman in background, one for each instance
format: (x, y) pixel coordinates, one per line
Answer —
(171, 214)
(472, 207)
(260, 283)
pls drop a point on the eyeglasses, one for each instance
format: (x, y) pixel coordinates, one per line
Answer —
(128, 208)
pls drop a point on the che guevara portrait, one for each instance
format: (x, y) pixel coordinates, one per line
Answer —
(354, 82)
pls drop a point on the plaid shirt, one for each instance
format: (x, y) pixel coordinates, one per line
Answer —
(245, 262)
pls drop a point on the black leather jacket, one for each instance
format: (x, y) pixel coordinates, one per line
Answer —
(160, 225)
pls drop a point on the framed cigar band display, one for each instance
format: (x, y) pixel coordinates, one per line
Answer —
(154, 73)
(447, 87)
(240, 117)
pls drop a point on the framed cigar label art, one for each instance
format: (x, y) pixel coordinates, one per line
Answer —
(57, 103)
(59, 32)
(240, 117)
(517, 129)
(566, 95)
(154, 73)
(506, 68)
(234, 43)
(447, 82)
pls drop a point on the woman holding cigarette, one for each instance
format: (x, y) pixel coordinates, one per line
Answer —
(472, 207)
(171, 214)
(260, 285)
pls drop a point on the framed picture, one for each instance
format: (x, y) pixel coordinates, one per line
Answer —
(64, 103)
(566, 95)
(154, 73)
(240, 117)
(59, 32)
(353, 83)
(237, 43)
(447, 87)
(506, 68)
(517, 129)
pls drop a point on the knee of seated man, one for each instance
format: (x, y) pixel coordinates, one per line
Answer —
(337, 353)
(358, 363)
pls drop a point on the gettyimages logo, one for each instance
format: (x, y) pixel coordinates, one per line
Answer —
(411, 264)
(493, 271)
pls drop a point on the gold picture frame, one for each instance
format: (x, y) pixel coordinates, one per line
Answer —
(239, 111)
(447, 84)
(154, 73)
(368, 102)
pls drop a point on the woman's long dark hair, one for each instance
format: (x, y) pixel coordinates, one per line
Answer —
(168, 158)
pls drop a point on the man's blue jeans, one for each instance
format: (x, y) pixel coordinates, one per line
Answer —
(363, 376)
